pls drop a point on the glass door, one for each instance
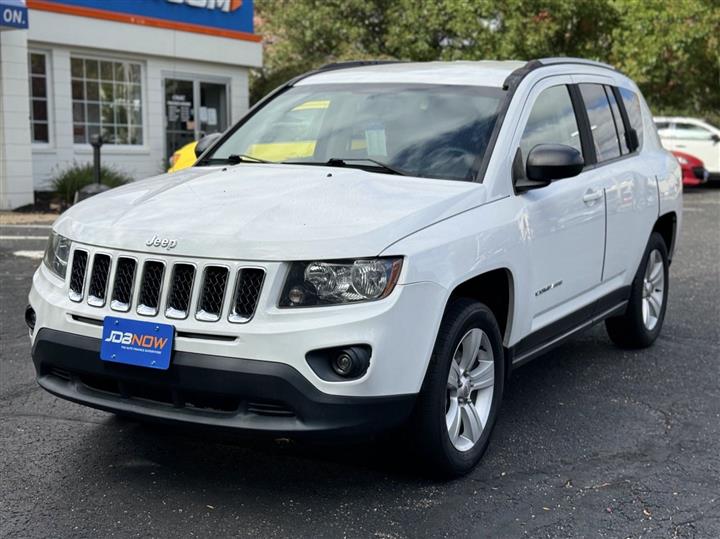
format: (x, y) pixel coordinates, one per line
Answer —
(179, 114)
(213, 108)
(193, 108)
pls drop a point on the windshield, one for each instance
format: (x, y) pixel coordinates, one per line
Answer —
(428, 130)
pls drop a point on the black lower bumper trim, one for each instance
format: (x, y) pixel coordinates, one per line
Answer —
(260, 396)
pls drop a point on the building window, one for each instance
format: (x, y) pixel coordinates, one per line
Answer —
(39, 122)
(107, 101)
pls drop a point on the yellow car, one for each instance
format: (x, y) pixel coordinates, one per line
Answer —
(184, 157)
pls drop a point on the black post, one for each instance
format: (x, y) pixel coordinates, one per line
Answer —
(96, 142)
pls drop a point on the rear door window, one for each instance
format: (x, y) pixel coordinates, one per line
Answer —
(602, 124)
(691, 132)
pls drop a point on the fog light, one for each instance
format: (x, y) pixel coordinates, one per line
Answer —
(30, 317)
(351, 362)
(343, 364)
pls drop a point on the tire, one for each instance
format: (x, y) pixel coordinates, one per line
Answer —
(453, 456)
(642, 321)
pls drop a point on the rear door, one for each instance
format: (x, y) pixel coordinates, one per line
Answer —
(626, 178)
(565, 220)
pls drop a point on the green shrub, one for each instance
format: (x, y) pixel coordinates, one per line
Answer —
(73, 178)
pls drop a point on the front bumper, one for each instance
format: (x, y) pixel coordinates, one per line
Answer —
(400, 330)
(252, 395)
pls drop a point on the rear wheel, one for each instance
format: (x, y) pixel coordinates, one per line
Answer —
(458, 404)
(643, 319)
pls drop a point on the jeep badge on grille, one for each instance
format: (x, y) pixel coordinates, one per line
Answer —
(165, 243)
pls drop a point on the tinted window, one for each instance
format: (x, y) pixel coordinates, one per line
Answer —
(632, 106)
(691, 132)
(552, 121)
(607, 145)
(619, 125)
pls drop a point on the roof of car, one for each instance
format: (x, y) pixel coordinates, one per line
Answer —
(491, 73)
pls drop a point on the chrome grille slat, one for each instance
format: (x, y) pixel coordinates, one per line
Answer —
(212, 294)
(151, 288)
(97, 289)
(180, 294)
(77, 275)
(247, 293)
(123, 286)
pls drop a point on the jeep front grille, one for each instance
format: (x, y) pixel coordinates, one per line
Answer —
(212, 294)
(152, 278)
(161, 286)
(178, 304)
(77, 275)
(98, 280)
(124, 281)
(247, 291)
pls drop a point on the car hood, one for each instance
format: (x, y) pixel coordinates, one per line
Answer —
(267, 212)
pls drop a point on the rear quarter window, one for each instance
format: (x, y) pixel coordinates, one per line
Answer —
(632, 106)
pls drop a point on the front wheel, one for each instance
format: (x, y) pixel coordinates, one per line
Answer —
(642, 321)
(457, 406)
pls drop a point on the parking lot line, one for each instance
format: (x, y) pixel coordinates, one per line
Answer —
(2, 225)
(30, 254)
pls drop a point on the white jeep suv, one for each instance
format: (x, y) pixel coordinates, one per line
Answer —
(372, 245)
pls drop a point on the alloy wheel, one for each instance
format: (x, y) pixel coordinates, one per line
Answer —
(653, 293)
(470, 387)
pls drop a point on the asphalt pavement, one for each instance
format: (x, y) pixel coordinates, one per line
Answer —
(592, 441)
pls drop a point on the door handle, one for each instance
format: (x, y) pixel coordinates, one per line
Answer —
(591, 195)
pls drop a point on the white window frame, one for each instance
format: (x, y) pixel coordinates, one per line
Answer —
(85, 147)
(38, 145)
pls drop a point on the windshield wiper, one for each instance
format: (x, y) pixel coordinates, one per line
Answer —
(235, 158)
(348, 162)
(232, 159)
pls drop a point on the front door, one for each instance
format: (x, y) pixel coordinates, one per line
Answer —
(565, 220)
(193, 109)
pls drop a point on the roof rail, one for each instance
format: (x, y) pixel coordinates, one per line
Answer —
(519, 74)
(355, 63)
(570, 60)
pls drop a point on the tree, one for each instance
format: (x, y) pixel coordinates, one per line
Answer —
(669, 48)
(672, 50)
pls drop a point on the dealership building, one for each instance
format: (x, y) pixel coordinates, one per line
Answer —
(147, 75)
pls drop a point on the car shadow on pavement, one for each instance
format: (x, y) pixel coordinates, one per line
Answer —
(199, 456)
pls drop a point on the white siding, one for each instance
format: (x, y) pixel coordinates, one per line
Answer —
(15, 159)
(162, 53)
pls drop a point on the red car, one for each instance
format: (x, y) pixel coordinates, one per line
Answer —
(693, 170)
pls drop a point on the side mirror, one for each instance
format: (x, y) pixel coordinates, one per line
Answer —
(715, 138)
(205, 142)
(545, 164)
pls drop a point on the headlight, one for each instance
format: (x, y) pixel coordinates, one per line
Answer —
(681, 160)
(339, 281)
(57, 254)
